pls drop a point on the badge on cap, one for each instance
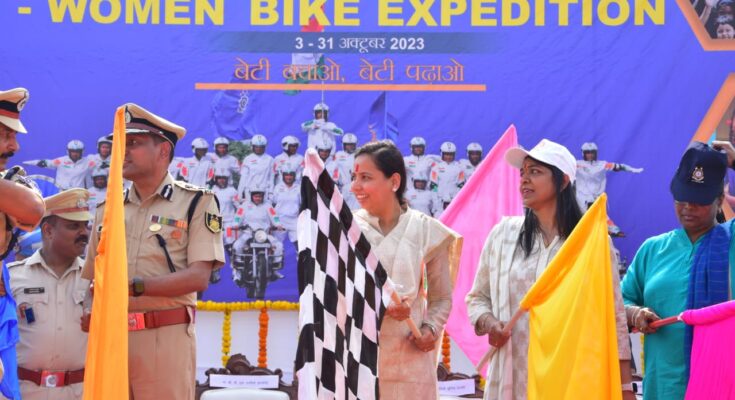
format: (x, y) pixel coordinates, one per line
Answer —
(154, 227)
(213, 222)
(698, 175)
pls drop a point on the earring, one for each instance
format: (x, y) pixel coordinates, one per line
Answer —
(395, 189)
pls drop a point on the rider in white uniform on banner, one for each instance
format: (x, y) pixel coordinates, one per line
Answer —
(229, 202)
(447, 176)
(320, 130)
(71, 169)
(98, 190)
(330, 165)
(221, 157)
(101, 159)
(287, 203)
(345, 160)
(198, 169)
(474, 156)
(256, 169)
(289, 159)
(420, 198)
(417, 161)
(592, 180)
(257, 214)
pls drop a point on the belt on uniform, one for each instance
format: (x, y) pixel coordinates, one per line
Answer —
(51, 378)
(138, 321)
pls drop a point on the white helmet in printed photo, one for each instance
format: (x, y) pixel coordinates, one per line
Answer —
(323, 145)
(349, 138)
(258, 140)
(321, 107)
(448, 147)
(589, 146)
(418, 141)
(289, 141)
(199, 143)
(474, 146)
(420, 176)
(256, 188)
(75, 145)
(104, 139)
(221, 140)
(222, 173)
(100, 172)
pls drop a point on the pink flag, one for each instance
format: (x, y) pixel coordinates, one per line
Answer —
(712, 373)
(491, 193)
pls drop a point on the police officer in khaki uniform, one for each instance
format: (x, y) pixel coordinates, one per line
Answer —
(21, 206)
(49, 290)
(174, 242)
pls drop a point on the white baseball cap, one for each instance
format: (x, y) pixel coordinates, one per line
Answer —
(547, 152)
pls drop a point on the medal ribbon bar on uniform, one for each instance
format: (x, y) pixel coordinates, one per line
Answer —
(169, 221)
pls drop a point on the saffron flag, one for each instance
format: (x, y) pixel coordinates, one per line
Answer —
(382, 121)
(491, 193)
(572, 349)
(344, 292)
(106, 369)
(712, 373)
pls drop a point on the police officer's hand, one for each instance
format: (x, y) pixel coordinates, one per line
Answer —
(400, 311)
(727, 148)
(85, 321)
(42, 164)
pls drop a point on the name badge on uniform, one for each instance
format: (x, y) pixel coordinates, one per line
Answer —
(34, 290)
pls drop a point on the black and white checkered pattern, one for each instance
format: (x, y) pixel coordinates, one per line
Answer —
(344, 293)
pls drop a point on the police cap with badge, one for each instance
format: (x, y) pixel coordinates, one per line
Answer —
(70, 204)
(138, 121)
(11, 104)
(700, 178)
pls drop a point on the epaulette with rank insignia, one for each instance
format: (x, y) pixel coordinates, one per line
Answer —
(192, 188)
(15, 264)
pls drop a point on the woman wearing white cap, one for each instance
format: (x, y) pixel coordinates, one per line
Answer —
(515, 254)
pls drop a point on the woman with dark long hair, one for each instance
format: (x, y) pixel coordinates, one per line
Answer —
(412, 247)
(515, 254)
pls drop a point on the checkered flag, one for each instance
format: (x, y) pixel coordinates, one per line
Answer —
(344, 294)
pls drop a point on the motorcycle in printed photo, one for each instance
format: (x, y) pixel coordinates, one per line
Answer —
(256, 263)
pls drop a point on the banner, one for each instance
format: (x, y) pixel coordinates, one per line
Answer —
(636, 77)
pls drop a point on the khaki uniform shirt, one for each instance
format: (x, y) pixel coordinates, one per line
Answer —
(7, 223)
(164, 213)
(55, 341)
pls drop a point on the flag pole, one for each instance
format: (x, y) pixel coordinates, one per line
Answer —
(662, 322)
(506, 332)
(411, 325)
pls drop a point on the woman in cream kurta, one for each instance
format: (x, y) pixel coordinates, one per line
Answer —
(406, 242)
(405, 371)
(516, 253)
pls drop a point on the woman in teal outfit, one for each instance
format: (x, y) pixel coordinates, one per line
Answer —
(674, 271)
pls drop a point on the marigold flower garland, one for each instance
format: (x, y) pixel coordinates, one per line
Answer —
(446, 351)
(228, 308)
(263, 338)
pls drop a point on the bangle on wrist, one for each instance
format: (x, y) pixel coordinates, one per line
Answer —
(627, 387)
(431, 327)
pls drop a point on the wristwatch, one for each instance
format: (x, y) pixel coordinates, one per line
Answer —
(627, 387)
(138, 287)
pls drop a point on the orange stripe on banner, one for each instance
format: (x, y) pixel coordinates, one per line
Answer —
(344, 87)
(712, 119)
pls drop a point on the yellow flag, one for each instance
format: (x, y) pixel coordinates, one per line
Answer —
(572, 349)
(106, 370)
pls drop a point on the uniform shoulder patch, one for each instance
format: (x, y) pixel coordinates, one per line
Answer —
(213, 222)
